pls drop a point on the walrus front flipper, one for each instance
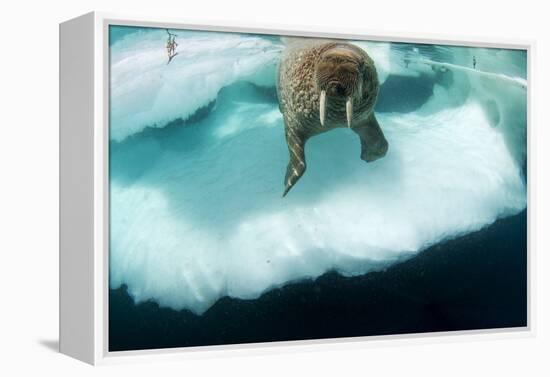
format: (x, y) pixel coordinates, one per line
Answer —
(373, 142)
(297, 164)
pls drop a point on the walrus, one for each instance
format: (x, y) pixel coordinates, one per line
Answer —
(322, 85)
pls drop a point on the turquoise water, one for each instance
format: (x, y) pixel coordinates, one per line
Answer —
(198, 156)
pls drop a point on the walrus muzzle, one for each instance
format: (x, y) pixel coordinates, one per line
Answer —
(323, 108)
(338, 77)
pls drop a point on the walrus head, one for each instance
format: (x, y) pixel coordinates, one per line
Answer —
(339, 75)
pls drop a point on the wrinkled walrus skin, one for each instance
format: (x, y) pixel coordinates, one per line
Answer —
(323, 85)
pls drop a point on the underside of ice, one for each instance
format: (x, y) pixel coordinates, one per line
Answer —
(198, 156)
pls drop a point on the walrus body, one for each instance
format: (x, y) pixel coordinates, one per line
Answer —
(323, 85)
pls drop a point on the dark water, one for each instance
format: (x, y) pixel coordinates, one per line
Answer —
(478, 281)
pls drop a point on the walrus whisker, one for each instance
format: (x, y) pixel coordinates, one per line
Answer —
(322, 106)
(349, 111)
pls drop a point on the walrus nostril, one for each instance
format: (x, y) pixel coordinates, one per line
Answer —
(336, 89)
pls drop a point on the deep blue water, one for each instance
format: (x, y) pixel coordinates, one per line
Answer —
(478, 281)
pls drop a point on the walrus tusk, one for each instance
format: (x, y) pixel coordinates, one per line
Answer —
(349, 111)
(322, 106)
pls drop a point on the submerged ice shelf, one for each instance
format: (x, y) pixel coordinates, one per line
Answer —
(196, 210)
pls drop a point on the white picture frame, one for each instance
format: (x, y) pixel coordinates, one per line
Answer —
(84, 194)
